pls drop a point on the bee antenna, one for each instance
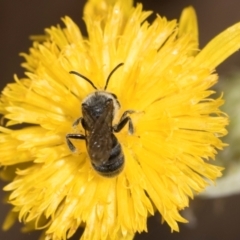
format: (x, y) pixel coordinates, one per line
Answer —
(85, 78)
(111, 73)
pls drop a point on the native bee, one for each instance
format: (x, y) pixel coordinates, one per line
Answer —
(98, 111)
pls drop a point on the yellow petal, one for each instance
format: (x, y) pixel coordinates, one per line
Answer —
(10, 219)
(188, 25)
(100, 8)
(220, 48)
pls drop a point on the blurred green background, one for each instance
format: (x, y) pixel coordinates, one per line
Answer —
(210, 218)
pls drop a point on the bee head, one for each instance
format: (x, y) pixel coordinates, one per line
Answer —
(95, 103)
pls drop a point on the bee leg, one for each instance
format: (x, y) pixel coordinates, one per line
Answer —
(73, 136)
(76, 122)
(123, 121)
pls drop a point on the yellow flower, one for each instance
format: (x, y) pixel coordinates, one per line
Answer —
(164, 79)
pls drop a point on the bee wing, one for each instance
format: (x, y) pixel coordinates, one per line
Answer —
(100, 139)
(88, 120)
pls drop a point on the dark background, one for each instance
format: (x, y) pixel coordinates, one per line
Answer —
(216, 219)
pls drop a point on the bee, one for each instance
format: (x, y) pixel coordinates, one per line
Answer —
(98, 111)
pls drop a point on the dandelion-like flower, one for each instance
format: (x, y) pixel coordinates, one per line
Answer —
(164, 80)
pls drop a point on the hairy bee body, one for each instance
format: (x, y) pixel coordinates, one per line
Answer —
(104, 150)
(98, 111)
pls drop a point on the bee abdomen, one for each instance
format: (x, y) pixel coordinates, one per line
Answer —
(115, 163)
(116, 152)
